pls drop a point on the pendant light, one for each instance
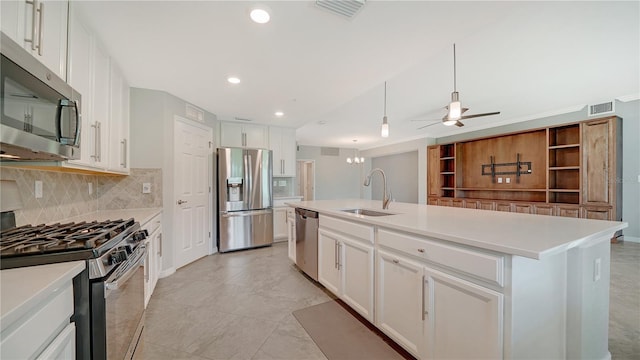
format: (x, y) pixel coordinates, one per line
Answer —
(455, 111)
(384, 130)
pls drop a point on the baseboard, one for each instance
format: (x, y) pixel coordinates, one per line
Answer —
(166, 273)
(627, 238)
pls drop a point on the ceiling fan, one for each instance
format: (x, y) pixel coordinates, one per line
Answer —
(454, 110)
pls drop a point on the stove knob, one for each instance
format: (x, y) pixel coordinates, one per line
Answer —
(140, 235)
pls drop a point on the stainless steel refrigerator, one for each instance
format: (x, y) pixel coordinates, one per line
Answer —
(245, 213)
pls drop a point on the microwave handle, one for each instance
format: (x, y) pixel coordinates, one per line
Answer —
(74, 105)
(76, 140)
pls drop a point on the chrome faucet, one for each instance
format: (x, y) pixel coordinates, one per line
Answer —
(386, 198)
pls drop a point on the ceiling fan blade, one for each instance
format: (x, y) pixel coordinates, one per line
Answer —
(424, 120)
(459, 124)
(426, 126)
(479, 115)
(463, 110)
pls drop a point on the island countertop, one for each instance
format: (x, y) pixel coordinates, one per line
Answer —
(531, 236)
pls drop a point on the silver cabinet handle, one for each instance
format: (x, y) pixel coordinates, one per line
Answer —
(99, 141)
(396, 261)
(180, 202)
(421, 250)
(282, 166)
(335, 254)
(339, 254)
(95, 141)
(160, 247)
(34, 15)
(40, 30)
(124, 153)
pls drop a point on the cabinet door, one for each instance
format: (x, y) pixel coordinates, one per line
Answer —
(101, 108)
(567, 211)
(523, 208)
(433, 170)
(80, 80)
(53, 42)
(464, 320)
(357, 276)
(119, 122)
(329, 261)
(149, 264)
(400, 301)
(231, 135)
(291, 234)
(597, 213)
(288, 152)
(256, 136)
(275, 145)
(13, 16)
(502, 206)
(543, 209)
(597, 160)
(279, 223)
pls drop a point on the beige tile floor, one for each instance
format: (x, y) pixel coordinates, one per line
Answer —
(238, 306)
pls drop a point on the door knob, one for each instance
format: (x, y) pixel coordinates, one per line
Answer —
(180, 202)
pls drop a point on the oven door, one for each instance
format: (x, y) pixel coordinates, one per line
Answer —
(124, 306)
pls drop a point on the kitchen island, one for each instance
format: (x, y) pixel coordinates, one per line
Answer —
(463, 283)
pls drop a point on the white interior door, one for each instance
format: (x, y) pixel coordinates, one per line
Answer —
(193, 147)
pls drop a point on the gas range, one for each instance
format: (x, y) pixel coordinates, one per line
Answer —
(112, 286)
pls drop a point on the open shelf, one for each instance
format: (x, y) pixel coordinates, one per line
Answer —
(564, 196)
(532, 195)
(565, 178)
(447, 151)
(564, 156)
(564, 135)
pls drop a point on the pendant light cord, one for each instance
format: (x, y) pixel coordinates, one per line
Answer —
(385, 98)
(454, 67)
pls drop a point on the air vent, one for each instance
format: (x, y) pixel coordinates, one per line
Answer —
(242, 119)
(194, 113)
(346, 8)
(329, 151)
(599, 109)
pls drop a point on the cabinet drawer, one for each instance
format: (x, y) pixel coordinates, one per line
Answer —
(360, 231)
(152, 225)
(34, 331)
(479, 264)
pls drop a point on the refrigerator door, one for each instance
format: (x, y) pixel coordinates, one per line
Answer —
(245, 229)
(231, 179)
(257, 170)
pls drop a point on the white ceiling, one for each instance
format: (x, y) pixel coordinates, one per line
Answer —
(525, 59)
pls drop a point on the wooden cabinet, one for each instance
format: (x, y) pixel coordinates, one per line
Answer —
(282, 141)
(570, 170)
(463, 320)
(291, 234)
(40, 27)
(346, 262)
(400, 300)
(243, 135)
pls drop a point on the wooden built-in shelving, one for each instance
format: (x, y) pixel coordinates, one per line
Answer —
(563, 175)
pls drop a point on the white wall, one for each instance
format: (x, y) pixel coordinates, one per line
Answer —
(401, 172)
(334, 178)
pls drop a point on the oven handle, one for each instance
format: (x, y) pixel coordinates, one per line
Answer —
(115, 284)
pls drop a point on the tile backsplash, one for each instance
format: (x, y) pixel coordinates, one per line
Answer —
(66, 195)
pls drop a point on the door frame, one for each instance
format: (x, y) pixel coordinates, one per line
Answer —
(299, 178)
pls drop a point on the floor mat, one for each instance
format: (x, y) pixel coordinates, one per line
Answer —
(342, 336)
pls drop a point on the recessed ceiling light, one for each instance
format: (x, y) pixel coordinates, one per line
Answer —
(279, 114)
(260, 15)
(233, 80)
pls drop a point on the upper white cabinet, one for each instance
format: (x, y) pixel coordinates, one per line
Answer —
(243, 135)
(282, 141)
(41, 28)
(119, 121)
(104, 141)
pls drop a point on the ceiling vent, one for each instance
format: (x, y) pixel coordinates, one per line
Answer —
(329, 151)
(242, 119)
(599, 109)
(346, 8)
(194, 113)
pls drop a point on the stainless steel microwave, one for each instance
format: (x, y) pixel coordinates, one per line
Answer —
(40, 111)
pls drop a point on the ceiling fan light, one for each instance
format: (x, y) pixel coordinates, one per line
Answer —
(455, 111)
(449, 122)
(384, 130)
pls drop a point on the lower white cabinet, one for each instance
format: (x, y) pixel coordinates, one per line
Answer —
(400, 295)
(153, 261)
(63, 346)
(435, 315)
(280, 223)
(345, 267)
(291, 233)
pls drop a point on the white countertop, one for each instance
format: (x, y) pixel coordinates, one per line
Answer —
(140, 215)
(532, 236)
(23, 288)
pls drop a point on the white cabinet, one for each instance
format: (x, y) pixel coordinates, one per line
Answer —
(119, 121)
(153, 261)
(41, 28)
(400, 292)
(243, 135)
(105, 102)
(464, 320)
(279, 224)
(291, 233)
(345, 263)
(282, 141)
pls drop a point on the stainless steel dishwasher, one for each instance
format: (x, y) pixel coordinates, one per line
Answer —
(307, 242)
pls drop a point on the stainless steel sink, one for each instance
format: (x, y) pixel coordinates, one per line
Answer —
(366, 212)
